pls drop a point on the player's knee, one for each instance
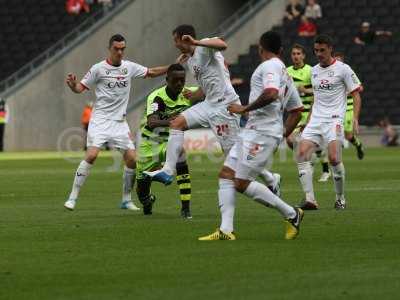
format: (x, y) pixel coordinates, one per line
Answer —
(179, 123)
(241, 185)
(226, 173)
(91, 157)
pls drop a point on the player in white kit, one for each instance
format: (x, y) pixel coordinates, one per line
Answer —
(332, 81)
(112, 80)
(272, 89)
(204, 60)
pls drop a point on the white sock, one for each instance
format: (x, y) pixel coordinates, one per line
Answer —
(263, 195)
(338, 177)
(268, 177)
(128, 180)
(226, 200)
(80, 176)
(174, 150)
(306, 177)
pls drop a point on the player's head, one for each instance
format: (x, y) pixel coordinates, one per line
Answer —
(270, 43)
(323, 48)
(298, 54)
(176, 77)
(116, 46)
(180, 31)
(339, 56)
(365, 27)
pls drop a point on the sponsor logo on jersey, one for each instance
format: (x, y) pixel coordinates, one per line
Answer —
(117, 84)
(325, 85)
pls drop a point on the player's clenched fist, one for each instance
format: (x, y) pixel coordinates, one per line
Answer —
(188, 39)
(236, 109)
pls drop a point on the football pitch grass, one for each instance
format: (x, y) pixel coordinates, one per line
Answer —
(101, 252)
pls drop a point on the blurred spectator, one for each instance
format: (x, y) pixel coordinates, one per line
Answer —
(367, 36)
(390, 136)
(75, 7)
(294, 10)
(307, 28)
(313, 10)
(85, 118)
(3, 121)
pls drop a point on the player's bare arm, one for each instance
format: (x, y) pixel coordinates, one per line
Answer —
(154, 121)
(156, 71)
(214, 43)
(74, 84)
(356, 109)
(294, 117)
(267, 97)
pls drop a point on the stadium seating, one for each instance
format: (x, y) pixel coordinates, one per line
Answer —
(28, 28)
(376, 64)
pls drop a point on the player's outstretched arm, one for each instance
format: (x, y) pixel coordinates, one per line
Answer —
(74, 85)
(214, 43)
(157, 71)
(154, 121)
(356, 110)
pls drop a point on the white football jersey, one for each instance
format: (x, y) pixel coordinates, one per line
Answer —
(272, 74)
(208, 67)
(113, 86)
(331, 86)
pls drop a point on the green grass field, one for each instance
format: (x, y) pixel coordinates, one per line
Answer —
(101, 252)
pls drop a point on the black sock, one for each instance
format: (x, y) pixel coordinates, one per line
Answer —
(184, 184)
(325, 167)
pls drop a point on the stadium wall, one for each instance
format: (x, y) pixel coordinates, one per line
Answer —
(264, 20)
(44, 112)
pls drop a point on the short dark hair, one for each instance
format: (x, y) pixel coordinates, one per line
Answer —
(184, 29)
(339, 54)
(175, 67)
(298, 46)
(324, 39)
(271, 41)
(116, 38)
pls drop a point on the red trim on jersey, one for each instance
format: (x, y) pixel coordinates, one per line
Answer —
(108, 61)
(358, 89)
(85, 86)
(300, 108)
(147, 73)
(334, 60)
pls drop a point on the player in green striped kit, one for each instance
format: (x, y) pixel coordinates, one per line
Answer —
(163, 105)
(301, 74)
(348, 122)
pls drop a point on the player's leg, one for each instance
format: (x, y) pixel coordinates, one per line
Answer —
(128, 179)
(195, 116)
(323, 157)
(226, 199)
(150, 156)
(121, 138)
(349, 135)
(338, 171)
(272, 181)
(97, 136)
(185, 188)
(247, 170)
(305, 167)
(80, 176)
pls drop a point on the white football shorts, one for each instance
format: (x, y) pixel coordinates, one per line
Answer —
(251, 153)
(116, 133)
(224, 125)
